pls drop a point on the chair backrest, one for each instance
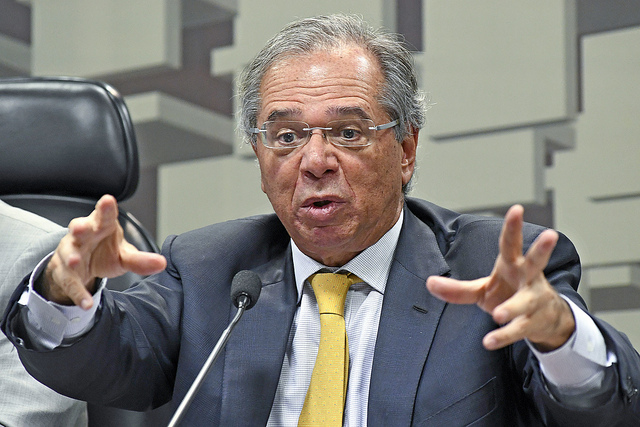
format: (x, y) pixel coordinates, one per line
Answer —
(64, 142)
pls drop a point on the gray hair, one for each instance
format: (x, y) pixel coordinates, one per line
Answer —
(399, 96)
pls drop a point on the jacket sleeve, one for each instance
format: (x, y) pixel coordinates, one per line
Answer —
(127, 359)
(618, 401)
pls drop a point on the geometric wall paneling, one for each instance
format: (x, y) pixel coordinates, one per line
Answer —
(613, 287)
(597, 16)
(97, 37)
(257, 21)
(498, 64)
(172, 130)
(488, 172)
(504, 128)
(597, 185)
(15, 57)
(208, 191)
(158, 51)
(15, 39)
(614, 294)
(627, 321)
(481, 172)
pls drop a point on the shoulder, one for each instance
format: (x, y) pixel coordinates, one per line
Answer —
(26, 239)
(453, 227)
(471, 242)
(253, 240)
(249, 230)
(12, 218)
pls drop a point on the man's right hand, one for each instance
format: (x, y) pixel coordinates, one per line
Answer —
(94, 247)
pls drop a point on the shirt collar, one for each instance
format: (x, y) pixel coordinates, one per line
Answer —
(371, 265)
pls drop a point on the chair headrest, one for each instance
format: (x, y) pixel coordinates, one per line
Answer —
(66, 136)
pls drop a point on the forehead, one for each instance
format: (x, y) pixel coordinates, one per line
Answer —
(331, 82)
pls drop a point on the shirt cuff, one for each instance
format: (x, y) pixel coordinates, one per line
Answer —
(49, 323)
(581, 360)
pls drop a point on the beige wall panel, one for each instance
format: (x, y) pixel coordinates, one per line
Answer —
(197, 193)
(257, 21)
(627, 321)
(597, 185)
(482, 171)
(98, 37)
(15, 54)
(157, 106)
(493, 64)
(604, 232)
(612, 276)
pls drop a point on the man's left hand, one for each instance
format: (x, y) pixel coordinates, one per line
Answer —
(516, 293)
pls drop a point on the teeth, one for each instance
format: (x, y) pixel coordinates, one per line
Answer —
(322, 203)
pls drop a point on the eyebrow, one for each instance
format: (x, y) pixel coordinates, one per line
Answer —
(284, 114)
(347, 111)
(295, 113)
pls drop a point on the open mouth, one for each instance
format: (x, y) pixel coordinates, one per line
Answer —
(322, 209)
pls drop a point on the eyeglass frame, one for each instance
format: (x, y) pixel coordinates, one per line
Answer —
(324, 129)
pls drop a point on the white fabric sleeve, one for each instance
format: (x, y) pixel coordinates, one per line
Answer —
(578, 367)
(49, 324)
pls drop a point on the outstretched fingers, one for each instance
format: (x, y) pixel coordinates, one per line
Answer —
(516, 293)
(94, 247)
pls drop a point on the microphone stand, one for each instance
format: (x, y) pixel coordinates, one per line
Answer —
(243, 301)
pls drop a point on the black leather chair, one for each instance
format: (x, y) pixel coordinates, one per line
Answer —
(64, 142)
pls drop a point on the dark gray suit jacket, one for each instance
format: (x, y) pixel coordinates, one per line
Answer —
(429, 366)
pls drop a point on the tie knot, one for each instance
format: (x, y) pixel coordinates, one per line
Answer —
(331, 290)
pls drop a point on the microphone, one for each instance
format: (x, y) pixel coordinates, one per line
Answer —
(245, 290)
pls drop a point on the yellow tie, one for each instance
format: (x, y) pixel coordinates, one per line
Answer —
(324, 404)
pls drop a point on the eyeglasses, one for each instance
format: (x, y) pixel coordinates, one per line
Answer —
(353, 133)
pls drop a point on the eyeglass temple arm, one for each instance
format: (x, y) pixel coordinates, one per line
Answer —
(386, 125)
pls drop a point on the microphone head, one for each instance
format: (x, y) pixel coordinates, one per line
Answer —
(246, 283)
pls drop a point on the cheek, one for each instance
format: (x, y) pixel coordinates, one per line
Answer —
(267, 172)
(276, 178)
(384, 171)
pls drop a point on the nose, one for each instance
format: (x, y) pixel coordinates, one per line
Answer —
(318, 155)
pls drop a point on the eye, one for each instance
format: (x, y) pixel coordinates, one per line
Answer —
(285, 134)
(349, 133)
(286, 138)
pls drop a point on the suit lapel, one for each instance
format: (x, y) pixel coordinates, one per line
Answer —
(408, 323)
(255, 350)
(410, 315)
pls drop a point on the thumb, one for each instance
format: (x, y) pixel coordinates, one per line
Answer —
(456, 291)
(140, 262)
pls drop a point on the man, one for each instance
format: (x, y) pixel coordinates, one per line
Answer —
(25, 239)
(332, 110)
